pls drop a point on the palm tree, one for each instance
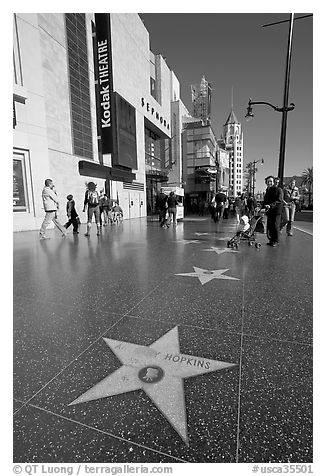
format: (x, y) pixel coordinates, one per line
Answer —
(307, 181)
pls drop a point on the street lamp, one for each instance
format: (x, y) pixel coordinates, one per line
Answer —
(250, 114)
(286, 107)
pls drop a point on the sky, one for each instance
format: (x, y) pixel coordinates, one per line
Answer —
(233, 51)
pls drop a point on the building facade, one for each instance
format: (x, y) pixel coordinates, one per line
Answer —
(223, 169)
(232, 142)
(91, 102)
(199, 162)
(201, 96)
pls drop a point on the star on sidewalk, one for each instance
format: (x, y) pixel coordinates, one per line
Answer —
(206, 275)
(200, 234)
(219, 251)
(158, 370)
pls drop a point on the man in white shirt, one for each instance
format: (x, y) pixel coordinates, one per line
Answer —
(51, 206)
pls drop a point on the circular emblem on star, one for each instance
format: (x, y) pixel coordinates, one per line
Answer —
(151, 374)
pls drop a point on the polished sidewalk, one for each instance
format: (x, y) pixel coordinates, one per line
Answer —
(162, 345)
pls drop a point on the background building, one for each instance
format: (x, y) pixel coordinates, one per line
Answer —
(199, 163)
(223, 168)
(232, 142)
(91, 102)
(201, 96)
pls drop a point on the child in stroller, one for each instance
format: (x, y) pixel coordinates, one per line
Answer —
(247, 231)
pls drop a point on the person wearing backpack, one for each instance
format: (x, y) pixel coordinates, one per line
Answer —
(92, 201)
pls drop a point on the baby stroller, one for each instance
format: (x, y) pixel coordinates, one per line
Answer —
(256, 225)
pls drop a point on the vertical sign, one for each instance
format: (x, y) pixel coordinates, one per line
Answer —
(126, 155)
(104, 77)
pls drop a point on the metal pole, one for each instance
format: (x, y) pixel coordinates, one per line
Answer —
(285, 103)
(254, 178)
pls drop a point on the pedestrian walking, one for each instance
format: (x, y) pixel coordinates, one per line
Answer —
(104, 204)
(91, 201)
(226, 208)
(206, 207)
(232, 213)
(101, 201)
(201, 206)
(72, 215)
(212, 207)
(273, 203)
(172, 202)
(51, 207)
(291, 200)
(220, 199)
(239, 205)
(162, 202)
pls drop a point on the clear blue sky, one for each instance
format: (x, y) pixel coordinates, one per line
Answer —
(231, 49)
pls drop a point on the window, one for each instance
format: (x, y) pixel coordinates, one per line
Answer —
(153, 87)
(20, 190)
(156, 150)
(79, 84)
(18, 78)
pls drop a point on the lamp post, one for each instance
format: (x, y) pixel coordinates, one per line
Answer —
(253, 170)
(254, 174)
(286, 107)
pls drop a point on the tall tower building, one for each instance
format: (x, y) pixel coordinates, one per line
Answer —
(233, 141)
(201, 95)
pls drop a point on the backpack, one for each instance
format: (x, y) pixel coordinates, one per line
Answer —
(93, 198)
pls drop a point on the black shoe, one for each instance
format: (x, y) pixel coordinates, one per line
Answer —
(276, 243)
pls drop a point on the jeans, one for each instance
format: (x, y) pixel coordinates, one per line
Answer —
(72, 221)
(288, 216)
(173, 213)
(273, 226)
(51, 216)
(95, 211)
(162, 214)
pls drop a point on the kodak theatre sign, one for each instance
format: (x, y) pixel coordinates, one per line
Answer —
(103, 80)
(104, 89)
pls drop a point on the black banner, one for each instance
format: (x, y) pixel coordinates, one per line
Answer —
(104, 77)
(126, 155)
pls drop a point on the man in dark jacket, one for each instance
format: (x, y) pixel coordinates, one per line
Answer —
(220, 199)
(162, 208)
(172, 207)
(273, 203)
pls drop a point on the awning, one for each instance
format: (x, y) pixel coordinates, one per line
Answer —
(94, 169)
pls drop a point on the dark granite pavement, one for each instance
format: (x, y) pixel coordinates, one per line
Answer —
(133, 285)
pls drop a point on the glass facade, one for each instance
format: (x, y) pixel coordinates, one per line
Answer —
(79, 84)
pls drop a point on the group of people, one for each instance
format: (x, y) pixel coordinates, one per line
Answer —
(280, 205)
(97, 204)
(221, 206)
(167, 209)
